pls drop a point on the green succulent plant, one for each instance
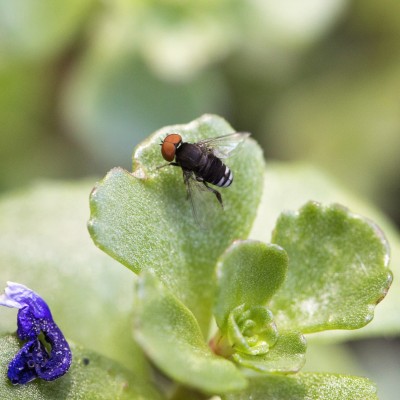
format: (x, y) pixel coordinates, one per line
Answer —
(214, 312)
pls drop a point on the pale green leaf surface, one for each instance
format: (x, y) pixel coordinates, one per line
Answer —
(288, 355)
(44, 244)
(249, 273)
(338, 269)
(144, 220)
(307, 386)
(90, 376)
(171, 337)
(288, 187)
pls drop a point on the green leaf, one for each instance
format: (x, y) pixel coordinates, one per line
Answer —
(249, 273)
(285, 189)
(91, 376)
(144, 220)
(251, 330)
(308, 386)
(44, 244)
(338, 269)
(171, 337)
(287, 355)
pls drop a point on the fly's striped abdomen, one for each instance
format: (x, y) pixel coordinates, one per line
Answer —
(216, 172)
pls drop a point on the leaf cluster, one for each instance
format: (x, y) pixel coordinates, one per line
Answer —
(210, 307)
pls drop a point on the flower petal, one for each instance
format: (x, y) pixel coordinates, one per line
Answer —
(22, 367)
(60, 356)
(19, 296)
(34, 318)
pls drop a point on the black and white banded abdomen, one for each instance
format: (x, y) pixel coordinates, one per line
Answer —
(216, 172)
(226, 179)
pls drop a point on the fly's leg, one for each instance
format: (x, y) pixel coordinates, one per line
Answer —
(187, 175)
(217, 194)
(174, 164)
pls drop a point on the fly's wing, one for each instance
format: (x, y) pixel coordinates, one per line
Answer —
(203, 202)
(223, 146)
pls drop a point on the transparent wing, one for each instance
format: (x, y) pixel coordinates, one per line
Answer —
(224, 146)
(203, 202)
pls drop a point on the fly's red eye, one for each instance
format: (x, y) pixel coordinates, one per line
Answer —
(169, 145)
(173, 138)
(168, 151)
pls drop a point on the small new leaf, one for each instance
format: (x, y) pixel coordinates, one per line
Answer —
(287, 355)
(251, 330)
(248, 273)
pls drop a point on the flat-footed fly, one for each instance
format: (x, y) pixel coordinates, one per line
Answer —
(201, 162)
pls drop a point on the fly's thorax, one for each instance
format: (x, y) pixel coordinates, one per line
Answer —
(189, 156)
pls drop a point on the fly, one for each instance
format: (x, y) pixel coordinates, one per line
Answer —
(201, 162)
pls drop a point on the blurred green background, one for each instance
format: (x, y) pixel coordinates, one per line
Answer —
(83, 81)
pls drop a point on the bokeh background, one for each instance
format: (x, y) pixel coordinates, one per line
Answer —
(83, 81)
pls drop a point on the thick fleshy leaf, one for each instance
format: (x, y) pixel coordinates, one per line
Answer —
(144, 220)
(338, 269)
(44, 244)
(171, 337)
(307, 386)
(285, 189)
(91, 376)
(287, 355)
(249, 273)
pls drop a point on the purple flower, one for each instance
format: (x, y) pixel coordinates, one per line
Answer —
(34, 318)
